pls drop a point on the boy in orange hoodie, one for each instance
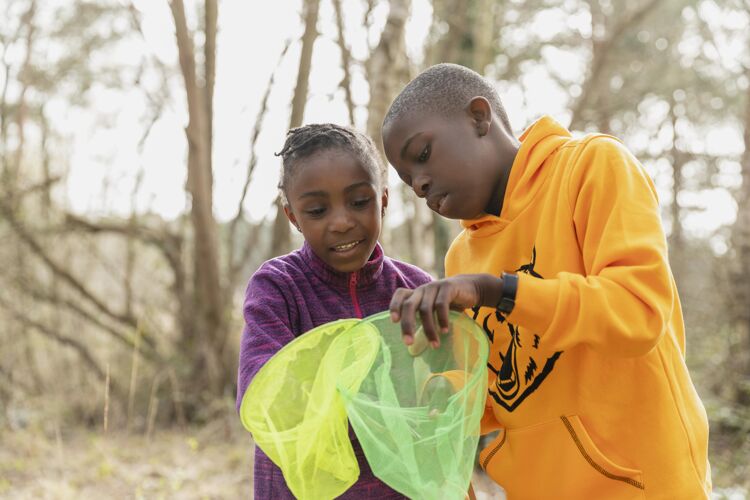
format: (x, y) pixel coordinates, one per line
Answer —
(563, 261)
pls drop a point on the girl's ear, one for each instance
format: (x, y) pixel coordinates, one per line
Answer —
(383, 201)
(480, 111)
(291, 217)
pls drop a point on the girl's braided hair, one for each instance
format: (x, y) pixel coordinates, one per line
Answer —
(303, 142)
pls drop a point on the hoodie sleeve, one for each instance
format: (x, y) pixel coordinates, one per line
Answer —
(269, 316)
(623, 302)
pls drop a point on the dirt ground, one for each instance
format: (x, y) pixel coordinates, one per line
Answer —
(83, 464)
(212, 462)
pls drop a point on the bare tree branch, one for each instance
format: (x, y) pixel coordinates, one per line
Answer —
(299, 100)
(45, 185)
(130, 255)
(387, 68)
(281, 238)
(4, 94)
(76, 308)
(367, 17)
(209, 55)
(77, 346)
(187, 64)
(252, 163)
(601, 52)
(345, 61)
(23, 79)
(209, 52)
(157, 103)
(169, 244)
(57, 269)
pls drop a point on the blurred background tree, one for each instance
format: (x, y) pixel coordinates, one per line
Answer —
(121, 313)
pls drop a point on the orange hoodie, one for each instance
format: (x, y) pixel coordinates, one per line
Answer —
(588, 382)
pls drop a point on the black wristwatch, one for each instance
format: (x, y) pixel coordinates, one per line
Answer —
(508, 299)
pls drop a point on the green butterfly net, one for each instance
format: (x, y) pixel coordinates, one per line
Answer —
(295, 414)
(415, 409)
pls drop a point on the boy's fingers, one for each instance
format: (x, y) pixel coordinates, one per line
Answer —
(397, 301)
(426, 313)
(408, 314)
(442, 306)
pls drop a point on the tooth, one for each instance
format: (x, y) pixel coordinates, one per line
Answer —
(347, 246)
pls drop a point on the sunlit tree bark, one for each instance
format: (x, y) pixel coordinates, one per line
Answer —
(281, 240)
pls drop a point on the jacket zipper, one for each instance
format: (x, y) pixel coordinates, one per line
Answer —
(491, 454)
(353, 294)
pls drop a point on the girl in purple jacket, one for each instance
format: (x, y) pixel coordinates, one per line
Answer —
(334, 190)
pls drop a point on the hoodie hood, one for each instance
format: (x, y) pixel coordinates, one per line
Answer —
(527, 174)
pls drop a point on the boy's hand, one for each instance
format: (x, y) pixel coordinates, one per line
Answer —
(458, 293)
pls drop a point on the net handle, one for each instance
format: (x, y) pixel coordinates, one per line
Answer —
(470, 494)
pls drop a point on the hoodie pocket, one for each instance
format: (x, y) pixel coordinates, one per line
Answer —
(557, 459)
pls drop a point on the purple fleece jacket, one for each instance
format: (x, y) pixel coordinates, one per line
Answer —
(292, 294)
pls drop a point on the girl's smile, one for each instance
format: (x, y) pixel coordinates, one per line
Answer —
(347, 247)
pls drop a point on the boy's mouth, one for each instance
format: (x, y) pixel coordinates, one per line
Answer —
(345, 247)
(436, 202)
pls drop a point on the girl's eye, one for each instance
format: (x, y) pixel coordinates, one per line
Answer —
(315, 212)
(361, 203)
(424, 155)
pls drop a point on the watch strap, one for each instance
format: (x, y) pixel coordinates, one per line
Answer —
(508, 298)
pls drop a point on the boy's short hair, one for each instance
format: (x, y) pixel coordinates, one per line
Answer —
(303, 142)
(445, 89)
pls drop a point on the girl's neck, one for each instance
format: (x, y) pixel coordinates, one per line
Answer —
(364, 276)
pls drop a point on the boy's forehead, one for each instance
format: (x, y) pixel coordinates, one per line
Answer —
(399, 132)
(406, 125)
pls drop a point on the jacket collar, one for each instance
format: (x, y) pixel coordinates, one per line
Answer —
(367, 275)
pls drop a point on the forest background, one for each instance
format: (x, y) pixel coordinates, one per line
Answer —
(138, 195)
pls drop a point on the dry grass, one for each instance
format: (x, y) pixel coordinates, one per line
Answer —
(213, 462)
(195, 463)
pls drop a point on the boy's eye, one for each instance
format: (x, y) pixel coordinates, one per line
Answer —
(424, 155)
(361, 203)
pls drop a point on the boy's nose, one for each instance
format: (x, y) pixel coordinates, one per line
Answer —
(421, 186)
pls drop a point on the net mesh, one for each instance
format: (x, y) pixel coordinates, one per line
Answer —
(417, 415)
(415, 410)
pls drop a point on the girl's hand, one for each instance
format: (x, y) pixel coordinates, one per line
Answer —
(439, 297)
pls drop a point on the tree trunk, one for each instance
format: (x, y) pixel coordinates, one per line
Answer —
(469, 43)
(281, 241)
(206, 338)
(676, 237)
(741, 276)
(387, 69)
(482, 34)
(346, 84)
(387, 72)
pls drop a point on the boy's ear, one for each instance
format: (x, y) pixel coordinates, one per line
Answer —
(480, 111)
(383, 201)
(291, 217)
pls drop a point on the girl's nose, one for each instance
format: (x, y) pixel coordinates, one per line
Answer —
(341, 221)
(421, 185)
